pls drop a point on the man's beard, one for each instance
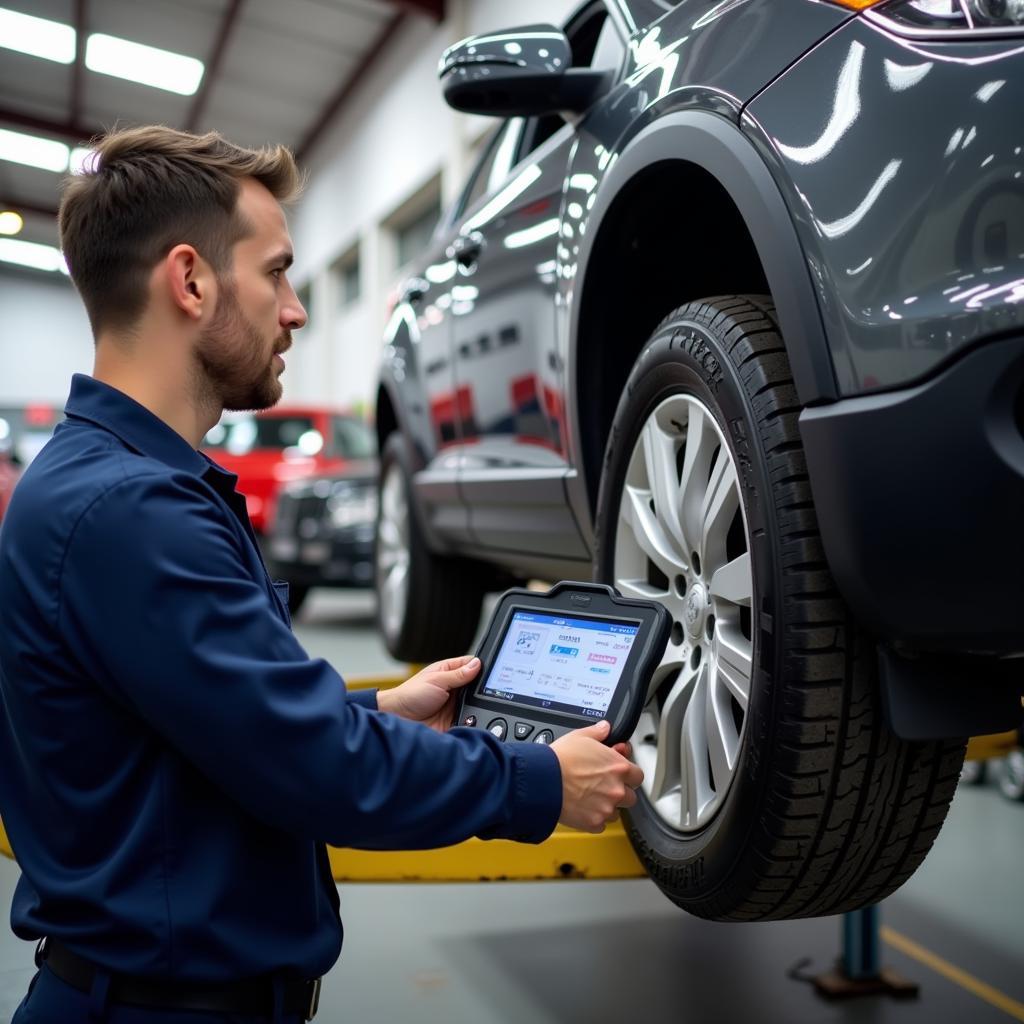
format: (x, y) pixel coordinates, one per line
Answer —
(232, 356)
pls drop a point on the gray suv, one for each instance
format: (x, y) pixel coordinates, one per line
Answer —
(730, 314)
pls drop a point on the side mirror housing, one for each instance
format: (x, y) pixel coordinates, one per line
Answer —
(523, 72)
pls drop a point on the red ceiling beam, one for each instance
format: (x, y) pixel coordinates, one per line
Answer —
(227, 28)
(348, 86)
(78, 68)
(68, 131)
(431, 8)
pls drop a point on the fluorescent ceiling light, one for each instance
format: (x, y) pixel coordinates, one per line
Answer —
(33, 151)
(37, 37)
(81, 160)
(10, 222)
(32, 254)
(148, 65)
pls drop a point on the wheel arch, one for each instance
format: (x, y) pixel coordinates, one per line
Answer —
(682, 156)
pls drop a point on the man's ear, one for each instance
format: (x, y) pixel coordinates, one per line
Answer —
(191, 283)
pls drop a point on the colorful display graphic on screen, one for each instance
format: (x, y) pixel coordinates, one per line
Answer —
(560, 663)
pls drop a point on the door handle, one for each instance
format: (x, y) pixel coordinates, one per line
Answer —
(466, 249)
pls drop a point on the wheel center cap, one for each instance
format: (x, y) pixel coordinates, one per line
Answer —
(694, 609)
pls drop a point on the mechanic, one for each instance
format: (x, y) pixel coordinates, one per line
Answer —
(172, 762)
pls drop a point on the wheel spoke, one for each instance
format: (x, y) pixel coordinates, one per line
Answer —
(389, 533)
(395, 588)
(693, 757)
(663, 477)
(640, 589)
(649, 533)
(721, 502)
(735, 664)
(733, 582)
(721, 732)
(670, 662)
(670, 726)
(701, 442)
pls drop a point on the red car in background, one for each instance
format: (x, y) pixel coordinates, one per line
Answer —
(8, 478)
(269, 449)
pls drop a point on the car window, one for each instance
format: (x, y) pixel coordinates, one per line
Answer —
(251, 433)
(597, 44)
(353, 439)
(496, 162)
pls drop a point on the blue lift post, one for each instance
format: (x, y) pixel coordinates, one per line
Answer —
(859, 971)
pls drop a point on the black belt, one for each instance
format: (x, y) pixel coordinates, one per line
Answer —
(255, 996)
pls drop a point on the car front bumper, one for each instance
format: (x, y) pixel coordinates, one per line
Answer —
(920, 501)
(344, 559)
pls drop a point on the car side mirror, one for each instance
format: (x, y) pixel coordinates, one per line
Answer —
(523, 72)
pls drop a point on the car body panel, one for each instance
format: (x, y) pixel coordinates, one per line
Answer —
(925, 254)
(769, 100)
(516, 427)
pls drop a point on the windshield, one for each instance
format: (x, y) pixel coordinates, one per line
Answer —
(241, 436)
(353, 439)
(296, 435)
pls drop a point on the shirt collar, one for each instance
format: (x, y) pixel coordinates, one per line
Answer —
(113, 410)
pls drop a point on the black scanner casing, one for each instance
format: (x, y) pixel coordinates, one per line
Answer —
(586, 600)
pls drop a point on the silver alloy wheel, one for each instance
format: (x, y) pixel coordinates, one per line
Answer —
(393, 556)
(1011, 782)
(682, 539)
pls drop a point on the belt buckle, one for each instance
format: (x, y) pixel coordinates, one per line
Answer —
(314, 998)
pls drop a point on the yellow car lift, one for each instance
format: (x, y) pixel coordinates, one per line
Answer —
(566, 854)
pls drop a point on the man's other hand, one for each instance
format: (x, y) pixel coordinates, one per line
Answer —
(596, 780)
(429, 696)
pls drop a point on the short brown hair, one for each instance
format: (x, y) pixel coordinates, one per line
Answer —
(146, 190)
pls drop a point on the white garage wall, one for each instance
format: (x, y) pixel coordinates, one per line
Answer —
(44, 338)
(395, 134)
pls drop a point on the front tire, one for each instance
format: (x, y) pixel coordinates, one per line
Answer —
(773, 789)
(428, 606)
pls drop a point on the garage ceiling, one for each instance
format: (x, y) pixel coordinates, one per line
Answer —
(274, 71)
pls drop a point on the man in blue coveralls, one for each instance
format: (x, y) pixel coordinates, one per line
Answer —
(172, 762)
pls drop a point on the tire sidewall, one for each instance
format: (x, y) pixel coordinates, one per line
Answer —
(684, 357)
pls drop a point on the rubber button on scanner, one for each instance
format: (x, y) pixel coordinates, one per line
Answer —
(469, 720)
(521, 730)
(545, 736)
(499, 728)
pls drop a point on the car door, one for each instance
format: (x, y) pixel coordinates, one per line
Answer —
(419, 341)
(506, 365)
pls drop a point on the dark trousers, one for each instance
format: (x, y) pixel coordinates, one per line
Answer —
(52, 1001)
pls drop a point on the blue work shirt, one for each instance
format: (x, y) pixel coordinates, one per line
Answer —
(172, 762)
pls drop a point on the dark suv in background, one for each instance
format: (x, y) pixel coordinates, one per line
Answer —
(731, 314)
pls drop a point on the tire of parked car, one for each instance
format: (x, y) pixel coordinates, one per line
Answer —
(773, 787)
(428, 605)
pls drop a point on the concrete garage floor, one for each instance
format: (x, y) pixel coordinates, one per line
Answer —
(569, 952)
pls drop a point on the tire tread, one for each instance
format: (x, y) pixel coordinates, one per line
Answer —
(850, 809)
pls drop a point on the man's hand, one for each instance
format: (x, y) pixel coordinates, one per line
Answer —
(429, 696)
(596, 780)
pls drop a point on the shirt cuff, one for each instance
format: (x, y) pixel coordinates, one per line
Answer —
(537, 803)
(364, 698)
